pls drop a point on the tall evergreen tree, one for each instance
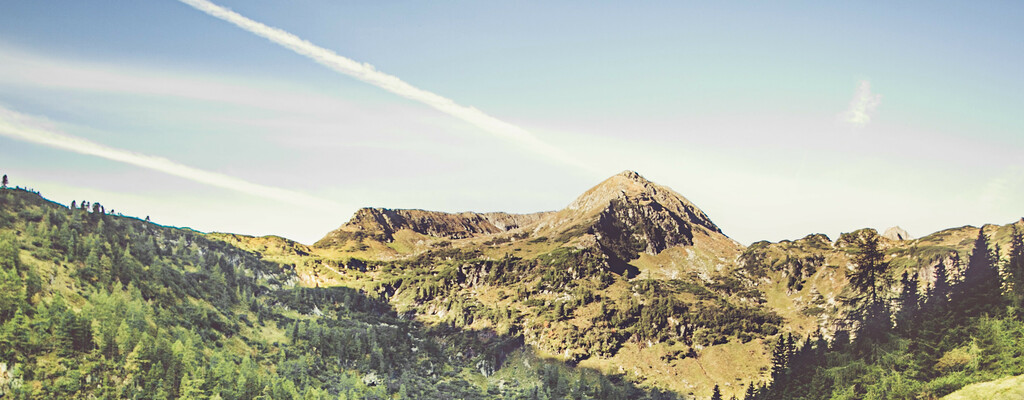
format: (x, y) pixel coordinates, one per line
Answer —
(5, 182)
(780, 364)
(908, 301)
(870, 279)
(943, 288)
(1015, 268)
(716, 393)
(980, 289)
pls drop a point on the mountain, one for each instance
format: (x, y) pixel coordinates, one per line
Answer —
(94, 305)
(566, 281)
(381, 224)
(631, 291)
(627, 215)
(896, 233)
(623, 217)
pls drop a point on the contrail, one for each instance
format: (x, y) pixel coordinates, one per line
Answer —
(33, 130)
(367, 73)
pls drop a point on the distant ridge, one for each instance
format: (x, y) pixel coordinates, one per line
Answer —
(623, 216)
(382, 223)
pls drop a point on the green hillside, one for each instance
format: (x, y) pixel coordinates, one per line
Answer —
(1009, 388)
(104, 306)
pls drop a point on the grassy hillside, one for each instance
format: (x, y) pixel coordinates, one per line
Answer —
(96, 305)
(966, 326)
(1009, 388)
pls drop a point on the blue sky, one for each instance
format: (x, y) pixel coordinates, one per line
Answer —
(778, 119)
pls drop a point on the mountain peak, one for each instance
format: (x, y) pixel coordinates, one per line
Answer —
(624, 215)
(629, 174)
(628, 213)
(896, 233)
(624, 184)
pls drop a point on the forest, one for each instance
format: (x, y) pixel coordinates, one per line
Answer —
(920, 341)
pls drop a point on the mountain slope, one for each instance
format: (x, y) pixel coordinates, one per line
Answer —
(103, 306)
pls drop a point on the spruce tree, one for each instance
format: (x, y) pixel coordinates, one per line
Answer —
(780, 368)
(716, 393)
(980, 289)
(870, 279)
(943, 289)
(908, 301)
(1015, 268)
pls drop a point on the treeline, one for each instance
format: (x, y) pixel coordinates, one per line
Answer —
(909, 343)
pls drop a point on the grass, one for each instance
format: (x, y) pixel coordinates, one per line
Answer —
(1009, 388)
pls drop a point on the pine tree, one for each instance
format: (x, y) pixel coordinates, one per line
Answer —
(980, 289)
(750, 394)
(716, 393)
(908, 301)
(869, 279)
(191, 387)
(1015, 268)
(943, 289)
(5, 182)
(12, 293)
(780, 368)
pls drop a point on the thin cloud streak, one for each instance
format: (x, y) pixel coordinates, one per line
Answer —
(367, 73)
(25, 69)
(25, 128)
(863, 104)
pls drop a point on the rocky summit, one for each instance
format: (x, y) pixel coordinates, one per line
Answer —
(625, 215)
(896, 233)
(382, 223)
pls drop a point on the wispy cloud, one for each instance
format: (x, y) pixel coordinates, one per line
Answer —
(862, 106)
(19, 68)
(30, 129)
(367, 73)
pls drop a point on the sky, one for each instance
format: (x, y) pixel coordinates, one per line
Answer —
(284, 117)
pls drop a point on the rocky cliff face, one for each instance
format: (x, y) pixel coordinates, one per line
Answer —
(628, 215)
(623, 216)
(896, 233)
(382, 223)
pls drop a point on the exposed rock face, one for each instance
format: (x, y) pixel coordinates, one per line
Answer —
(382, 223)
(629, 214)
(896, 233)
(623, 216)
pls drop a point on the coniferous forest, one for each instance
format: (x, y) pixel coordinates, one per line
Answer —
(920, 341)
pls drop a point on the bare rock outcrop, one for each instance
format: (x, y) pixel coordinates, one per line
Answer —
(896, 233)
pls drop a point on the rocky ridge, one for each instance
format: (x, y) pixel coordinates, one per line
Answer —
(382, 223)
(623, 216)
